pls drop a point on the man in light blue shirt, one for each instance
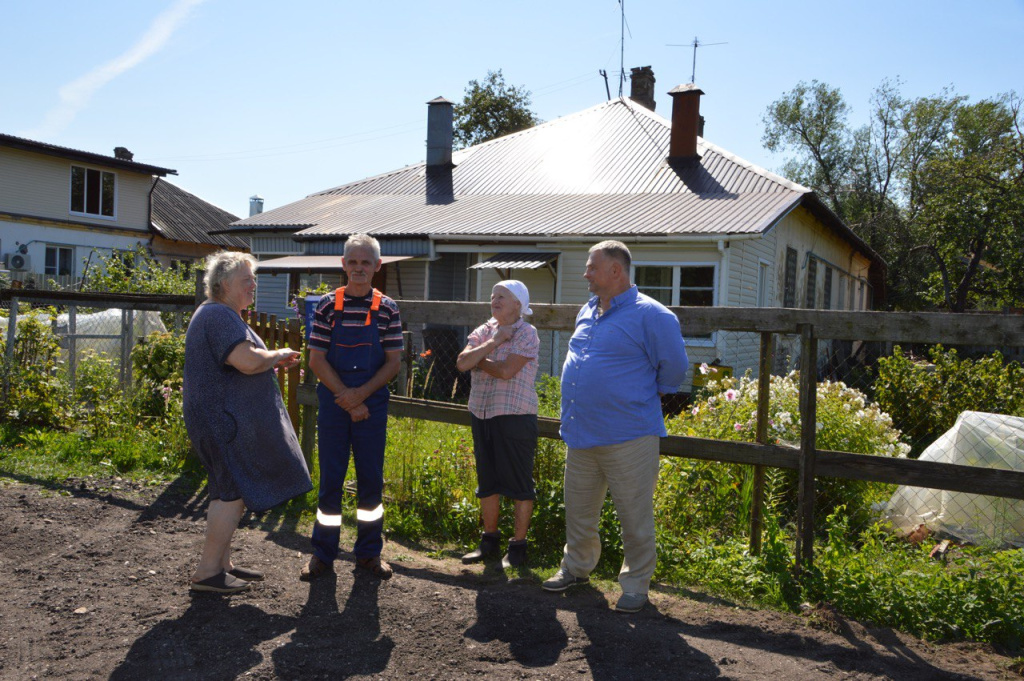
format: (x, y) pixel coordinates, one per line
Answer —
(627, 350)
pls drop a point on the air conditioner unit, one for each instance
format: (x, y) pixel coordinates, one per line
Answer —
(18, 262)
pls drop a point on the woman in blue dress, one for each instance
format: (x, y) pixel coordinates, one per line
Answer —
(236, 418)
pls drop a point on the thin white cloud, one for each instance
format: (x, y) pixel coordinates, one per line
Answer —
(76, 95)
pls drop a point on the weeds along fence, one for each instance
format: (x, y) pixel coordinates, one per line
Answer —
(108, 324)
(111, 324)
(825, 347)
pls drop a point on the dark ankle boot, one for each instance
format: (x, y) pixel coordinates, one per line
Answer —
(489, 548)
(516, 555)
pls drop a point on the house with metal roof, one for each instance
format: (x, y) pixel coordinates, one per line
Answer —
(182, 224)
(60, 206)
(704, 226)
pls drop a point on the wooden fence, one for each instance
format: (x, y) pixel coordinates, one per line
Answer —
(811, 326)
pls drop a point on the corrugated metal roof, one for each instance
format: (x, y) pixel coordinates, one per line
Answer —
(315, 263)
(602, 172)
(180, 216)
(516, 261)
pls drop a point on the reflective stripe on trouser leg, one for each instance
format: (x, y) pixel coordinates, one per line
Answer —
(369, 531)
(368, 442)
(334, 444)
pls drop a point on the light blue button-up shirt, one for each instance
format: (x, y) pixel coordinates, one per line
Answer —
(617, 364)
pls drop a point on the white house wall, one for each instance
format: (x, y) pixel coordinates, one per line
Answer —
(40, 186)
(82, 241)
(742, 350)
(541, 285)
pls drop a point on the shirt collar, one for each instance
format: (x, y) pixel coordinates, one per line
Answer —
(494, 322)
(624, 298)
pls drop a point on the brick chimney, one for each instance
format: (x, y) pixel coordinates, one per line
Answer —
(439, 132)
(641, 86)
(687, 123)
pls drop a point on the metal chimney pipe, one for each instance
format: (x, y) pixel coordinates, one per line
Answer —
(255, 205)
(686, 121)
(440, 114)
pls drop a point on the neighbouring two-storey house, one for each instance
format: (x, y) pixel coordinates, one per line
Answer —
(705, 227)
(61, 207)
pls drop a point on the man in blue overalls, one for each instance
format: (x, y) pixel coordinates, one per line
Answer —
(355, 348)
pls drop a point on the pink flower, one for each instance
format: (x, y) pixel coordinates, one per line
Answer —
(695, 411)
(730, 395)
(738, 426)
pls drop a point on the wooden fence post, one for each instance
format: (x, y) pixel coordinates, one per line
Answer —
(294, 374)
(405, 370)
(764, 381)
(808, 446)
(12, 325)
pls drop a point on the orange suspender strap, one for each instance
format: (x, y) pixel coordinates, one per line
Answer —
(339, 305)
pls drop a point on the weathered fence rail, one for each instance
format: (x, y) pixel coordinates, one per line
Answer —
(810, 326)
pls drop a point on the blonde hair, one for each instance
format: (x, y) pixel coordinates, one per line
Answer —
(219, 268)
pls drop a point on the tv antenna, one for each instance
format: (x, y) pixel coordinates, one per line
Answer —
(622, 45)
(695, 44)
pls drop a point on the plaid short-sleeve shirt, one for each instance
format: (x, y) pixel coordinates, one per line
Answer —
(490, 396)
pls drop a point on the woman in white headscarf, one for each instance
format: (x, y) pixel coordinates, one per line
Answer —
(502, 354)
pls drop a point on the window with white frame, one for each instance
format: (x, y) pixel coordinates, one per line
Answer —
(691, 285)
(93, 192)
(762, 284)
(59, 261)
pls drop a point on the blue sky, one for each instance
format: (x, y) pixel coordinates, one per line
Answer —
(285, 99)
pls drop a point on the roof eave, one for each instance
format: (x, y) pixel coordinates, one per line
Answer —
(84, 156)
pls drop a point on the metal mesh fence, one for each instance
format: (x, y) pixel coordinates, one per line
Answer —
(961, 405)
(86, 337)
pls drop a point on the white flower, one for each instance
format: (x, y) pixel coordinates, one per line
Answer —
(704, 368)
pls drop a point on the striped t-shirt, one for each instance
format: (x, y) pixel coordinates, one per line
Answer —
(354, 314)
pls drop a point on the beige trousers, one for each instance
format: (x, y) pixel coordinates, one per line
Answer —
(630, 471)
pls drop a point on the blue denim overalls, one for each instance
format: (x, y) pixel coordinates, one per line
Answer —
(356, 354)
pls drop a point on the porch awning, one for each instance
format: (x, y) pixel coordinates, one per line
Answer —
(516, 261)
(314, 263)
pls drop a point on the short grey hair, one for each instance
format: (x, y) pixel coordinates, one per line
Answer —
(363, 241)
(615, 250)
(220, 266)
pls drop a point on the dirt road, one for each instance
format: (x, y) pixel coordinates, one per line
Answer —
(94, 578)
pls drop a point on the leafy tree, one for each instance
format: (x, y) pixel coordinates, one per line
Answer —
(900, 183)
(491, 110)
(971, 222)
(812, 120)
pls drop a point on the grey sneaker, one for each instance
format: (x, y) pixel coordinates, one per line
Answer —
(562, 580)
(631, 602)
